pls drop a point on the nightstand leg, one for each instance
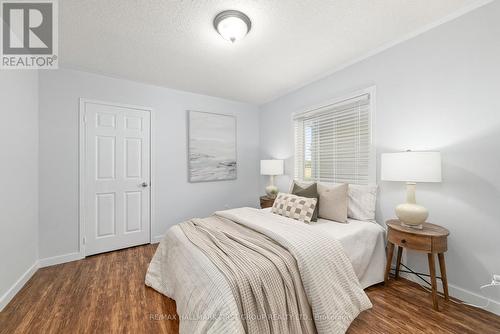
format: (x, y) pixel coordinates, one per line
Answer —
(390, 252)
(398, 262)
(442, 268)
(432, 270)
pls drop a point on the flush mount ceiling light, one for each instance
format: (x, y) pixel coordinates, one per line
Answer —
(232, 25)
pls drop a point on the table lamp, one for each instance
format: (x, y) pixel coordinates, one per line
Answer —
(271, 168)
(411, 167)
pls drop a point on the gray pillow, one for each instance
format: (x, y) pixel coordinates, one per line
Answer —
(309, 192)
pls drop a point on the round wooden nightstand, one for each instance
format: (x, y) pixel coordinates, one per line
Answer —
(266, 202)
(431, 239)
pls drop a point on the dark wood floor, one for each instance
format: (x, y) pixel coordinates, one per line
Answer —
(106, 294)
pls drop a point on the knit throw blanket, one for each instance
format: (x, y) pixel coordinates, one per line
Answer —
(262, 274)
(288, 279)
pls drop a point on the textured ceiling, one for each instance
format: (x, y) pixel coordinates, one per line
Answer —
(292, 42)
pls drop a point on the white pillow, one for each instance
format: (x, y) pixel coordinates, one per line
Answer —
(362, 202)
(362, 199)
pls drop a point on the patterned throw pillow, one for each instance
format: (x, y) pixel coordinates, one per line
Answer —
(295, 207)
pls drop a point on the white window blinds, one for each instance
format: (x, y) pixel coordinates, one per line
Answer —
(333, 143)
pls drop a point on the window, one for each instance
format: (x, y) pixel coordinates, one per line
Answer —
(333, 143)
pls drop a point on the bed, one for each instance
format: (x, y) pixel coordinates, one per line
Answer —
(364, 244)
(204, 300)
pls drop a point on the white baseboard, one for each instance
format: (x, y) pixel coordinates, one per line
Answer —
(462, 294)
(157, 239)
(14, 289)
(51, 261)
(42, 263)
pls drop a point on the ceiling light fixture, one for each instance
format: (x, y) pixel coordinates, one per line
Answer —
(232, 25)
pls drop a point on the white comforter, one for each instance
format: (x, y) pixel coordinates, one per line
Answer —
(204, 300)
(364, 244)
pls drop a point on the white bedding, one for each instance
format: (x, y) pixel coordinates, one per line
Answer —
(204, 300)
(364, 244)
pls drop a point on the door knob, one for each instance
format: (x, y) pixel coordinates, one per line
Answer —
(144, 184)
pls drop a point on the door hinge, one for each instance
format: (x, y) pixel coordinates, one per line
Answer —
(85, 118)
(84, 240)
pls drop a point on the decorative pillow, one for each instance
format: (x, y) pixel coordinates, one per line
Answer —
(309, 192)
(295, 207)
(333, 202)
(362, 199)
(362, 202)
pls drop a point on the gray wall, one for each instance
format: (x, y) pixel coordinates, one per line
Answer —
(438, 91)
(175, 198)
(19, 175)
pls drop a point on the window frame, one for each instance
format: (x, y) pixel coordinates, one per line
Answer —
(371, 91)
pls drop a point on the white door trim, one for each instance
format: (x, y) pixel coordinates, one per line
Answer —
(81, 167)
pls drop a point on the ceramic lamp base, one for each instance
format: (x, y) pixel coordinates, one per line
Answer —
(271, 191)
(412, 215)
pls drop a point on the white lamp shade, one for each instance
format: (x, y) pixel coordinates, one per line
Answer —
(271, 167)
(411, 166)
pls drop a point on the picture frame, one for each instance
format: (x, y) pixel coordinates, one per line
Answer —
(212, 153)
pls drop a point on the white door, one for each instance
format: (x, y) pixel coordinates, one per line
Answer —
(116, 177)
